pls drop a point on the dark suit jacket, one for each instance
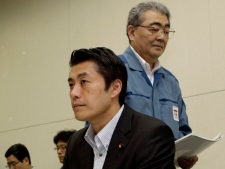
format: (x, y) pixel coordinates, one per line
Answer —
(147, 143)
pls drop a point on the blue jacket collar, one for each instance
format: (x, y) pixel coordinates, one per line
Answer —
(132, 60)
(134, 63)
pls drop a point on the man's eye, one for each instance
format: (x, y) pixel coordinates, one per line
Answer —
(167, 31)
(83, 81)
(70, 85)
(14, 163)
(154, 30)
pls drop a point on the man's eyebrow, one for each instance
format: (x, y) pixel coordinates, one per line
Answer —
(70, 79)
(159, 24)
(82, 74)
(78, 76)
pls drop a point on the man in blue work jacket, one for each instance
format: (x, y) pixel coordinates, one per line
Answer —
(152, 89)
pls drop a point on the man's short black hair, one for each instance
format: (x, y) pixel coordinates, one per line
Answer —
(19, 151)
(63, 135)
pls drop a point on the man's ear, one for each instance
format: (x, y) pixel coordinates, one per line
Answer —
(26, 160)
(116, 88)
(130, 32)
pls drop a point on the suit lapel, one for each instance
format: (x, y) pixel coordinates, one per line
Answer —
(120, 139)
(87, 159)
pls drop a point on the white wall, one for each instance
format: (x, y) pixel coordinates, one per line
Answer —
(37, 38)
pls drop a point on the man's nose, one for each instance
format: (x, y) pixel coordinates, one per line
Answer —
(59, 151)
(161, 34)
(75, 92)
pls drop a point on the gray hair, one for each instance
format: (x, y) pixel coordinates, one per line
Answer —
(135, 14)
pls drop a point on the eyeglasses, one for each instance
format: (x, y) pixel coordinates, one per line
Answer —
(158, 30)
(62, 148)
(12, 164)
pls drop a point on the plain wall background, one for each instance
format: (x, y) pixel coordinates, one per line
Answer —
(37, 38)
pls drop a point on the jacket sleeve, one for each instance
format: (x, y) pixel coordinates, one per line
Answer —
(161, 155)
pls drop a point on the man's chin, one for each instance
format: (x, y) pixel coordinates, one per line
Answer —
(79, 117)
(157, 52)
(61, 159)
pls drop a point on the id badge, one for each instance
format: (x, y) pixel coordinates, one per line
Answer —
(175, 113)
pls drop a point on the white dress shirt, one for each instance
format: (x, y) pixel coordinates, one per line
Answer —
(146, 66)
(101, 141)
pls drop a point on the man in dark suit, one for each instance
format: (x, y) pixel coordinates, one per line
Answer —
(118, 137)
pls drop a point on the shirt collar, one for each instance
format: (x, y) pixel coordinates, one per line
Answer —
(105, 134)
(144, 64)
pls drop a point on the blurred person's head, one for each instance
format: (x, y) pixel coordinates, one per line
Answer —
(18, 157)
(60, 140)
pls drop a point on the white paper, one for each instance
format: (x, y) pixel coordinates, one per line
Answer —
(191, 145)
